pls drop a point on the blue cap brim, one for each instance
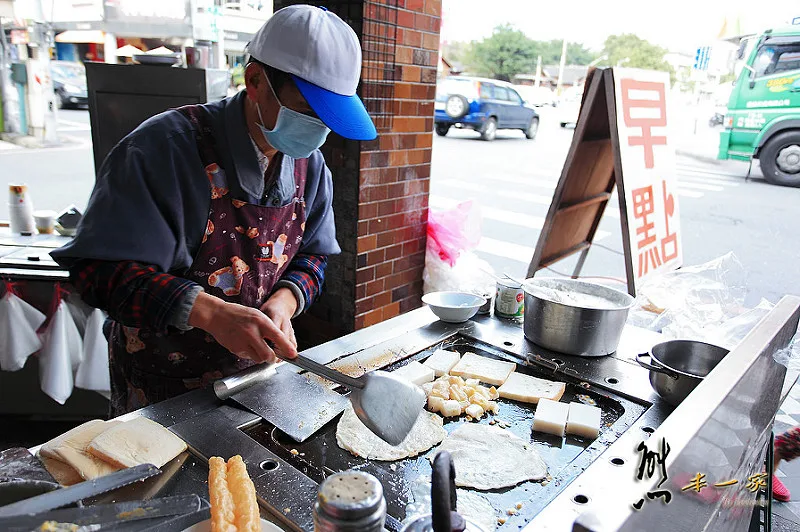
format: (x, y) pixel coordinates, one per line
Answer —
(344, 115)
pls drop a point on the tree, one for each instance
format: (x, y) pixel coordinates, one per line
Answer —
(577, 54)
(506, 53)
(628, 50)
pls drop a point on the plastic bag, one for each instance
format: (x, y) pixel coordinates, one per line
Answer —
(790, 356)
(703, 302)
(451, 232)
(449, 262)
(93, 371)
(18, 324)
(61, 354)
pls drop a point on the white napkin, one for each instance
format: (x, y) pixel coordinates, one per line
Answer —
(93, 372)
(18, 339)
(61, 353)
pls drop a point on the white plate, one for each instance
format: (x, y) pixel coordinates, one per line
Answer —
(205, 526)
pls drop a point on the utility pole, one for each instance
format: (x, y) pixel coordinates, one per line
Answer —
(561, 66)
(538, 78)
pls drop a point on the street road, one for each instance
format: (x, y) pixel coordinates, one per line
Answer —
(512, 179)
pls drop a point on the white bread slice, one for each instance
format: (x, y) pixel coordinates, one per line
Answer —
(489, 370)
(49, 449)
(415, 372)
(73, 451)
(442, 361)
(550, 417)
(64, 474)
(139, 441)
(527, 389)
(583, 420)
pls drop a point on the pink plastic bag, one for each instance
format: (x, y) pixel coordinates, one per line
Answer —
(451, 232)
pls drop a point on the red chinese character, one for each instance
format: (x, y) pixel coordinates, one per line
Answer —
(657, 101)
(643, 207)
(672, 238)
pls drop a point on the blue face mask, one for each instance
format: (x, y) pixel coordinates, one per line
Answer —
(295, 134)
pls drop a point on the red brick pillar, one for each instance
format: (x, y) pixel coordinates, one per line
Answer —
(381, 187)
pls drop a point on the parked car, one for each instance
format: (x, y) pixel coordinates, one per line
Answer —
(537, 96)
(484, 105)
(69, 83)
(570, 106)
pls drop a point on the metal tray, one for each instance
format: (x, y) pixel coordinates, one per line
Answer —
(567, 457)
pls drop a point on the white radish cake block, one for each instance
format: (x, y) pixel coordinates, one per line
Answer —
(415, 372)
(551, 417)
(488, 370)
(442, 361)
(527, 389)
(583, 420)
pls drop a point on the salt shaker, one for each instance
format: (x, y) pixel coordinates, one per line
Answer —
(350, 502)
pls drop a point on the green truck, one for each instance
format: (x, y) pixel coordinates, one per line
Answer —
(763, 118)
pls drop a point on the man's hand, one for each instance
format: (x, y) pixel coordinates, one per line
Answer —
(241, 330)
(280, 307)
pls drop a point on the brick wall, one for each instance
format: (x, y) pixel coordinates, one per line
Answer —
(381, 187)
(395, 175)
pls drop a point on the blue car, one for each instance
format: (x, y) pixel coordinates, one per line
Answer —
(484, 105)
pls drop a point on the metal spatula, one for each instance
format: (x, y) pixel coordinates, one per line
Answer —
(387, 405)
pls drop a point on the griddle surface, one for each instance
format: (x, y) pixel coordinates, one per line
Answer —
(321, 456)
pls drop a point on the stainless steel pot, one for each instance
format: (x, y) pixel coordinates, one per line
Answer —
(678, 366)
(574, 317)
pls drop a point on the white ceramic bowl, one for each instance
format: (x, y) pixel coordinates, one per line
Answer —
(453, 307)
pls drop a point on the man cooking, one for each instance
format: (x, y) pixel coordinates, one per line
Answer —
(209, 225)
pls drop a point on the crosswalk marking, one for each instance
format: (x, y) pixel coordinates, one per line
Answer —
(699, 186)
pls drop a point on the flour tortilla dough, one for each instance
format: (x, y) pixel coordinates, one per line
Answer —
(352, 435)
(487, 457)
(477, 509)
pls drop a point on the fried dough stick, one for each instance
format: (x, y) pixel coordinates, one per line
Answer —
(223, 516)
(244, 496)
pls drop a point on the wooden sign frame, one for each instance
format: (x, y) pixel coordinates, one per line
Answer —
(592, 168)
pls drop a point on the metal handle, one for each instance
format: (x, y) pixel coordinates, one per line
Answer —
(231, 385)
(324, 371)
(444, 517)
(651, 367)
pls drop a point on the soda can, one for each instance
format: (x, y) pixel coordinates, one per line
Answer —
(509, 301)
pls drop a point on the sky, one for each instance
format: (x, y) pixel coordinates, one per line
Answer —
(678, 25)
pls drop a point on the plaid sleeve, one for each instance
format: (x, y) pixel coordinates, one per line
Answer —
(134, 294)
(307, 272)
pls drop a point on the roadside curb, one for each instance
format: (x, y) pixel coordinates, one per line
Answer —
(27, 141)
(698, 156)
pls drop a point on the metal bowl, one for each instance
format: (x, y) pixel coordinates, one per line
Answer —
(453, 307)
(574, 317)
(678, 366)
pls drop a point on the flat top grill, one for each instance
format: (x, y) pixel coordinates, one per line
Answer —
(566, 458)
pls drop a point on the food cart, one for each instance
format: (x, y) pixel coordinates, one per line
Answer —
(722, 430)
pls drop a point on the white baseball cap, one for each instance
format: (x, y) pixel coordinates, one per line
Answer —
(323, 55)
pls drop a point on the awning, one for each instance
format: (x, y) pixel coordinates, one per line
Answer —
(82, 37)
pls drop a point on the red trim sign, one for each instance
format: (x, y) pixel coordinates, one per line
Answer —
(648, 167)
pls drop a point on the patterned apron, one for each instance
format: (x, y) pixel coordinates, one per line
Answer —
(245, 250)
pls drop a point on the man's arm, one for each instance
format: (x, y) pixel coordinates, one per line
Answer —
(304, 277)
(134, 294)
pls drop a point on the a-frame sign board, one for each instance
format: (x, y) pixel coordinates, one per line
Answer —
(591, 170)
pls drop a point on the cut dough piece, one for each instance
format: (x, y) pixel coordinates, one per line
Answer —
(415, 372)
(73, 451)
(487, 457)
(64, 474)
(527, 389)
(583, 420)
(551, 417)
(442, 361)
(139, 441)
(489, 370)
(352, 435)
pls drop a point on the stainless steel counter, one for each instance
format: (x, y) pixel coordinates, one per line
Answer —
(722, 426)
